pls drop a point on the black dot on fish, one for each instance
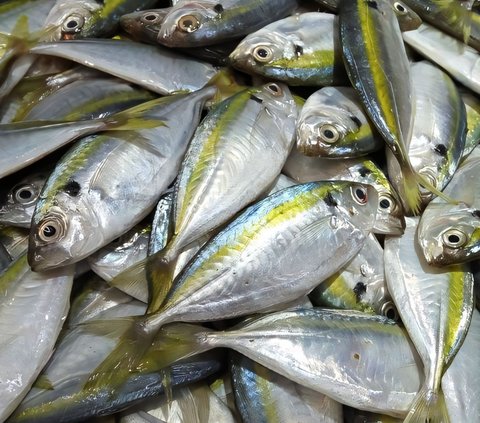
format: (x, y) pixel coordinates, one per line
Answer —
(476, 213)
(364, 172)
(441, 149)
(254, 98)
(356, 356)
(359, 289)
(330, 201)
(356, 121)
(218, 8)
(298, 50)
(373, 4)
(72, 188)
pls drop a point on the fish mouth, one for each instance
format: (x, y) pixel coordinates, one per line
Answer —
(389, 225)
(41, 263)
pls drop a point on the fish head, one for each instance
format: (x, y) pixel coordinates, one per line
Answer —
(408, 19)
(69, 21)
(18, 205)
(144, 25)
(355, 203)
(449, 234)
(192, 24)
(64, 232)
(390, 214)
(262, 53)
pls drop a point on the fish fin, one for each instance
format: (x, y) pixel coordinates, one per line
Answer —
(160, 276)
(428, 407)
(133, 281)
(131, 120)
(226, 85)
(43, 382)
(131, 346)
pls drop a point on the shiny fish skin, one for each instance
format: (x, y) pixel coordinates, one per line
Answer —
(88, 176)
(206, 22)
(33, 307)
(263, 396)
(120, 58)
(449, 233)
(18, 206)
(360, 285)
(439, 130)
(36, 10)
(458, 59)
(15, 240)
(436, 307)
(332, 124)
(472, 105)
(371, 364)
(299, 50)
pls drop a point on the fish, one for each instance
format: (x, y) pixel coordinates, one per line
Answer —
(472, 107)
(371, 365)
(223, 171)
(33, 307)
(450, 17)
(87, 179)
(459, 60)
(35, 10)
(299, 50)
(206, 22)
(15, 240)
(390, 219)
(436, 307)
(262, 395)
(462, 395)
(378, 67)
(439, 130)
(448, 233)
(18, 205)
(72, 19)
(332, 123)
(360, 285)
(282, 230)
(121, 58)
(161, 224)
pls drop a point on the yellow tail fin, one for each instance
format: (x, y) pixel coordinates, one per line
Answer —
(428, 407)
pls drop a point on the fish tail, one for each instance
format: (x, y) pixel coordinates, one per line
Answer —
(178, 341)
(428, 407)
(130, 348)
(226, 85)
(131, 120)
(160, 277)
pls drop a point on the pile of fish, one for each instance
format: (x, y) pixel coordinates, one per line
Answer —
(239, 211)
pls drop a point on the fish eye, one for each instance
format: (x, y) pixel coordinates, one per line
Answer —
(24, 194)
(454, 238)
(390, 311)
(188, 23)
(50, 231)
(400, 8)
(73, 23)
(359, 194)
(386, 203)
(274, 89)
(150, 18)
(262, 54)
(329, 134)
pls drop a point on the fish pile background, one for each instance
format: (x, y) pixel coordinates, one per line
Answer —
(239, 211)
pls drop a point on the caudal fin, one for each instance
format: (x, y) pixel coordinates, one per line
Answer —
(428, 407)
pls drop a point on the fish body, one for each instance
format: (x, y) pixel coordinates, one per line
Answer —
(88, 179)
(332, 124)
(439, 130)
(450, 233)
(472, 106)
(436, 306)
(299, 50)
(378, 67)
(33, 307)
(206, 22)
(263, 396)
(360, 285)
(458, 59)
